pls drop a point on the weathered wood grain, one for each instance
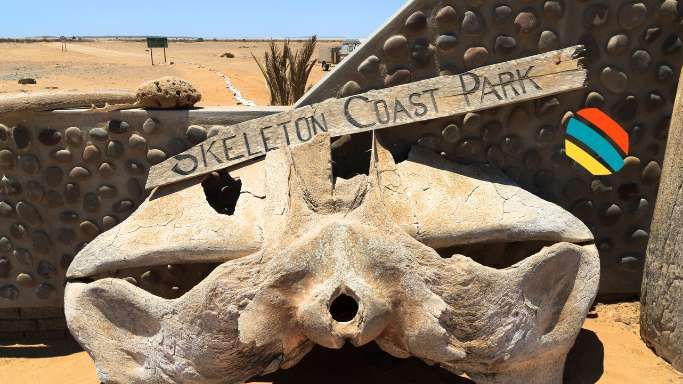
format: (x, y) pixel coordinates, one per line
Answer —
(661, 322)
(483, 88)
(49, 101)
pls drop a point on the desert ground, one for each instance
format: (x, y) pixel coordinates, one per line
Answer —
(123, 65)
(608, 351)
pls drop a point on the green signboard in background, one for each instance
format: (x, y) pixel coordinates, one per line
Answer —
(157, 42)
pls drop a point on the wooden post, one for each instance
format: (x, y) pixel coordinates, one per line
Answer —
(151, 55)
(165, 55)
(661, 323)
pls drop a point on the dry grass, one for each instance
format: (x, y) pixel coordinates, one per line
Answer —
(286, 72)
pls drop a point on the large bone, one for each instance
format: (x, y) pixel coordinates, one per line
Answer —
(324, 238)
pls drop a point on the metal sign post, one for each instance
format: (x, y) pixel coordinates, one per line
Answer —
(157, 42)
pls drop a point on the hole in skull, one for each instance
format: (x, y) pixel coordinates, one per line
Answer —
(166, 281)
(497, 255)
(222, 192)
(351, 155)
(344, 308)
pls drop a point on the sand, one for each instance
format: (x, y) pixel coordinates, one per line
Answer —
(608, 351)
(87, 66)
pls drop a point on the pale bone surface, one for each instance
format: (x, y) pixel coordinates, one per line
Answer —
(301, 239)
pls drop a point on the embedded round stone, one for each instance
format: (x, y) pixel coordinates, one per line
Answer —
(639, 237)
(41, 242)
(21, 136)
(25, 279)
(451, 133)
(402, 76)
(654, 101)
(672, 44)
(123, 206)
(117, 126)
(46, 270)
(195, 134)
(526, 22)
(546, 136)
(29, 213)
(349, 89)
(614, 80)
(668, 11)
(416, 22)
(512, 145)
(45, 291)
(664, 73)
(89, 229)
(475, 57)
(396, 46)
(68, 217)
(34, 191)
(5, 267)
(23, 257)
(106, 169)
(632, 15)
(62, 155)
(594, 99)
(54, 176)
(72, 192)
(98, 134)
(136, 141)
(9, 292)
(7, 159)
(18, 231)
(651, 34)
(29, 164)
(74, 136)
(79, 173)
(370, 66)
(155, 156)
(548, 41)
(471, 123)
(617, 44)
(109, 222)
(115, 149)
(49, 137)
(5, 133)
(471, 149)
(214, 131)
(6, 210)
(91, 203)
(10, 186)
(553, 9)
(595, 15)
(505, 44)
(547, 105)
(135, 168)
(422, 52)
(472, 24)
(91, 154)
(5, 245)
(447, 16)
(106, 191)
(641, 60)
(447, 42)
(612, 214)
(501, 13)
(651, 173)
(149, 126)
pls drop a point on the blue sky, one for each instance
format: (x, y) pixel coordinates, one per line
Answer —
(200, 18)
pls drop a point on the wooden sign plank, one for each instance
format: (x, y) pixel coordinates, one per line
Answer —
(483, 88)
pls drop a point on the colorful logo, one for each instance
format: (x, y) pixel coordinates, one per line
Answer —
(596, 142)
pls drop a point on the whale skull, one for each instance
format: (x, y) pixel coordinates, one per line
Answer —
(307, 258)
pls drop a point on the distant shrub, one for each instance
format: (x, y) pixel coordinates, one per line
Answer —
(200, 40)
(228, 55)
